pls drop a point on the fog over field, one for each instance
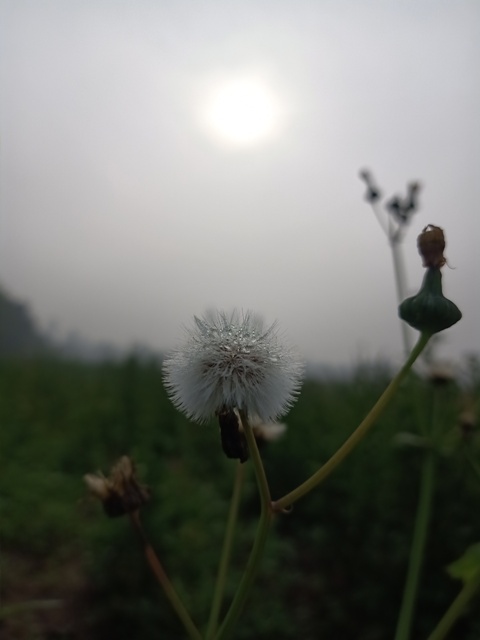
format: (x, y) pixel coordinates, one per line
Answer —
(159, 159)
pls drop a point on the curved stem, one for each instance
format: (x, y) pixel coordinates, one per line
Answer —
(164, 581)
(266, 517)
(357, 436)
(456, 609)
(226, 552)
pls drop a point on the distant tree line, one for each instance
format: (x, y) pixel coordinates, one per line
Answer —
(19, 334)
(21, 337)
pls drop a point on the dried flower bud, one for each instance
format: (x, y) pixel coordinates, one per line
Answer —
(121, 492)
(403, 208)
(373, 192)
(234, 443)
(397, 208)
(431, 245)
(411, 203)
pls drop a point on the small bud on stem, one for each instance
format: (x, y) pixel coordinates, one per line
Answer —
(121, 492)
(431, 245)
(429, 311)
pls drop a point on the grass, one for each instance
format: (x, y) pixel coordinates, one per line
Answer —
(334, 567)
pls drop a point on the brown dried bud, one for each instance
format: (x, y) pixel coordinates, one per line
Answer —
(431, 244)
(373, 192)
(233, 439)
(121, 492)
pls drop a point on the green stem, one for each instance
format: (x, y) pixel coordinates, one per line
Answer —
(399, 273)
(164, 581)
(226, 552)
(266, 517)
(456, 609)
(262, 481)
(357, 436)
(417, 551)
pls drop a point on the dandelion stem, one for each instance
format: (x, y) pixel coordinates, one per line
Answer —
(266, 517)
(257, 462)
(357, 436)
(161, 576)
(226, 551)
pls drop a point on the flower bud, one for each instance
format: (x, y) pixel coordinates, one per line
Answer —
(431, 244)
(429, 311)
(233, 439)
(373, 192)
(121, 492)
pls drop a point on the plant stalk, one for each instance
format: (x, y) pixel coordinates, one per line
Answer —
(162, 578)
(417, 552)
(456, 609)
(357, 436)
(399, 273)
(266, 517)
(226, 552)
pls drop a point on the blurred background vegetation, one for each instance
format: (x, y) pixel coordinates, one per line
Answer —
(334, 567)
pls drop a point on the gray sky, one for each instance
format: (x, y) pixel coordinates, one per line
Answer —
(124, 213)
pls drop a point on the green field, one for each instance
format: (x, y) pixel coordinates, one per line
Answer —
(334, 567)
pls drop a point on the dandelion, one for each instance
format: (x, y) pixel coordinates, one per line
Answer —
(232, 362)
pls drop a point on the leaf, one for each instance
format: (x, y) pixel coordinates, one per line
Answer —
(467, 567)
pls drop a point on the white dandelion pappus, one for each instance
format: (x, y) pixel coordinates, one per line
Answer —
(232, 361)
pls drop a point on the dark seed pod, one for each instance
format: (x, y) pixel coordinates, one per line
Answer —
(234, 443)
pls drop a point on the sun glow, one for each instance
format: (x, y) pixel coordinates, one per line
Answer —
(242, 112)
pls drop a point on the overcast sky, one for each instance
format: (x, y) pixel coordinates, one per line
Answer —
(128, 205)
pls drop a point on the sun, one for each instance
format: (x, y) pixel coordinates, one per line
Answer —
(242, 112)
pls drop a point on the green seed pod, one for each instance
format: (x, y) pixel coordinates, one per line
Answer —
(429, 311)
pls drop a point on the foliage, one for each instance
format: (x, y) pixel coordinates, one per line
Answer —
(335, 566)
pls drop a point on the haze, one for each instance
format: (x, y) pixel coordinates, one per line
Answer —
(125, 209)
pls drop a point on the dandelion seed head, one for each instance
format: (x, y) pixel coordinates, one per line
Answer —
(232, 361)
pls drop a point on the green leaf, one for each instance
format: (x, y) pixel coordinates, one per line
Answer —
(467, 567)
